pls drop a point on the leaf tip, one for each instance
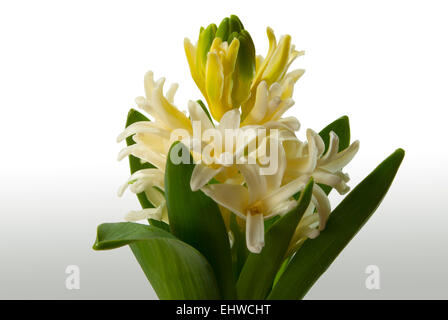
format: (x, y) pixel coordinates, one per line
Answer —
(344, 118)
(400, 152)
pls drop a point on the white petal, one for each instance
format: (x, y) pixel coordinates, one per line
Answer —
(143, 179)
(258, 112)
(306, 164)
(291, 122)
(144, 104)
(319, 144)
(233, 197)
(283, 208)
(166, 112)
(156, 197)
(282, 108)
(152, 142)
(149, 173)
(138, 151)
(256, 183)
(149, 84)
(342, 158)
(150, 213)
(295, 74)
(143, 127)
(333, 148)
(322, 204)
(202, 174)
(306, 232)
(283, 193)
(198, 114)
(325, 177)
(255, 232)
(139, 186)
(172, 92)
(274, 181)
(230, 120)
(273, 106)
(275, 90)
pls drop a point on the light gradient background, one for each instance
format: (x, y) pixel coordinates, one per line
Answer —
(70, 70)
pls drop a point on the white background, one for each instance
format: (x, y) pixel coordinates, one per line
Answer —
(70, 70)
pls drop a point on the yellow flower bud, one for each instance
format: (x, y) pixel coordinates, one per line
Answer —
(223, 65)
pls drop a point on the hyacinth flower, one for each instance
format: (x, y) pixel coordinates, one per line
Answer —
(251, 220)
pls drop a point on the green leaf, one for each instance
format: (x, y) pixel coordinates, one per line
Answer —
(115, 235)
(134, 163)
(196, 219)
(239, 248)
(259, 271)
(174, 269)
(269, 222)
(341, 127)
(316, 255)
(160, 224)
(282, 269)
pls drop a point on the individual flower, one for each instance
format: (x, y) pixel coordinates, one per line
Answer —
(151, 182)
(215, 158)
(309, 159)
(274, 69)
(260, 198)
(154, 138)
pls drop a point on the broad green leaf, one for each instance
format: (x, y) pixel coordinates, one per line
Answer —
(316, 255)
(341, 127)
(196, 219)
(259, 271)
(174, 269)
(115, 235)
(134, 163)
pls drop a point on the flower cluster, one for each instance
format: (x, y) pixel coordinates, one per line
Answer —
(245, 95)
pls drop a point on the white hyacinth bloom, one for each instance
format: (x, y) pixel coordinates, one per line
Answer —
(263, 198)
